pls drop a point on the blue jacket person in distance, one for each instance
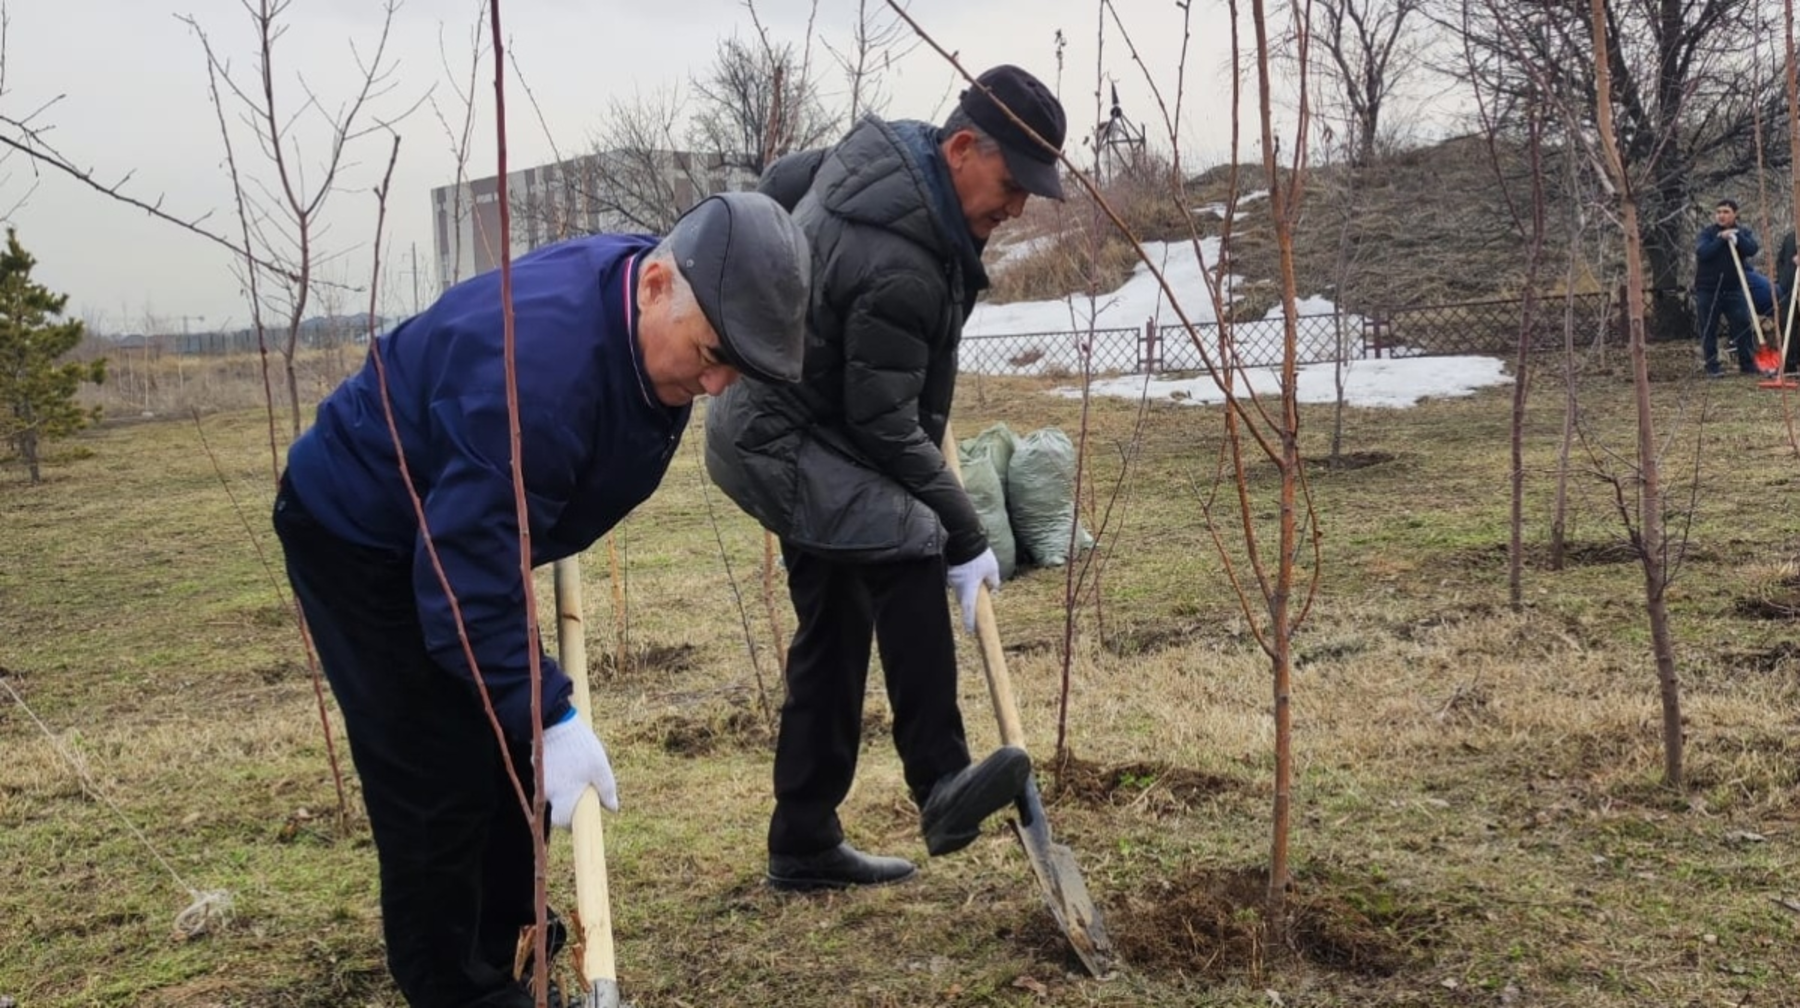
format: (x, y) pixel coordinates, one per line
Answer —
(616, 335)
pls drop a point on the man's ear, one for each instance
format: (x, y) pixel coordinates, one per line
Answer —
(958, 146)
(653, 283)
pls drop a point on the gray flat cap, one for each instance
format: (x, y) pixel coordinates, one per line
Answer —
(748, 264)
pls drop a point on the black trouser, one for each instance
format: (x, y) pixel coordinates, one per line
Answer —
(1726, 302)
(452, 841)
(1783, 298)
(839, 606)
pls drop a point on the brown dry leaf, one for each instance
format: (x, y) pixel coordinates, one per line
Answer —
(1034, 986)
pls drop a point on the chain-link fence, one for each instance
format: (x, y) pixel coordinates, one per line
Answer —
(1473, 327)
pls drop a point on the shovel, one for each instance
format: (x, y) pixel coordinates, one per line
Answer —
(1782, 381)
(594, 908)
(1768, 359)
(1053, 863)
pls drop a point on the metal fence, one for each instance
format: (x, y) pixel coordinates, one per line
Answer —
(1471, 327)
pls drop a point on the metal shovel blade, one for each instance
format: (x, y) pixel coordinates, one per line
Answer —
(604, 994)
(1064, 890)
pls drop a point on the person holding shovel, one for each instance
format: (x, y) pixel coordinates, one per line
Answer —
(845, 466)
(1719, 253)
(418, 613)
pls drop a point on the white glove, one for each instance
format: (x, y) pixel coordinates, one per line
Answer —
(967, 579)
(1729, 235)
(574, 759)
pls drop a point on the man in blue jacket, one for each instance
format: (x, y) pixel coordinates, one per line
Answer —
(1717, 291)
(845, 467)
(407, 563)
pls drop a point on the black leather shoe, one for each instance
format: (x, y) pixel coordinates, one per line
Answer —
(951, 818)
(840, 867)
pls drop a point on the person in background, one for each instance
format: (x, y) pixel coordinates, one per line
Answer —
(845, 466)
(1717, 292)
(616, 336)
(1785, 262)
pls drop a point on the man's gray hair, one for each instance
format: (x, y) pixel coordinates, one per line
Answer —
(959, 120)
(681, 293)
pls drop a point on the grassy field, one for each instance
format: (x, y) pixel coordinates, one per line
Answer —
(1478, 815)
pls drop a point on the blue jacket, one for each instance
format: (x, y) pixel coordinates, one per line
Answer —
(596, 442)
(1713, 271)
(1762, 293)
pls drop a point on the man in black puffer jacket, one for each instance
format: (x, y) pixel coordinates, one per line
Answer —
(845, 466)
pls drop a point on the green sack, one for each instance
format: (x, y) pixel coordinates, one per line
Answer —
(999, 442)
(987, 491)
(1040, 497)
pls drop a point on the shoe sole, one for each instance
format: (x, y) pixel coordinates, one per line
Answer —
(782, 883)
(999, 785)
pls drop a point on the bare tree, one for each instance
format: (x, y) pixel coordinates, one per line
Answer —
(640, 178)
(1647, 534)
(737, 99)
(1365, 48)
(460, 134)
(875, 43)
(756, 103)
(1682, 82)
(281, 211)
(1638, 493)
(7, 210)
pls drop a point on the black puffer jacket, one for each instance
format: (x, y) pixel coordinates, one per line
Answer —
(846, 462)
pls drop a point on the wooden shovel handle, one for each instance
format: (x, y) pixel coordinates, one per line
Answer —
(592, 900)
(987, 631)
(1749, 301)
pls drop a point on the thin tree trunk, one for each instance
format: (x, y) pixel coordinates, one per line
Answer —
(1559, 516)
(1515, 553)
(28, 446)
(1559, 519)
(1280, 599)
(1670, 317)
(1650, 543)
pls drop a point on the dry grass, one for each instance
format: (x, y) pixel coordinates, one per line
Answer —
(1477, 821)
(148, 384)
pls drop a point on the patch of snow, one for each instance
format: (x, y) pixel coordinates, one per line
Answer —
(1019, 251)
(1039, 337)
(1032, 337)
(1140, 298)
(1384, 382)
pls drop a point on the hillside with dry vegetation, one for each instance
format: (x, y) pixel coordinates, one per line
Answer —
(1428, 225)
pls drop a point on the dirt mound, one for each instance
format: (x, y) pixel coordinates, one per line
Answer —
(1212, 922)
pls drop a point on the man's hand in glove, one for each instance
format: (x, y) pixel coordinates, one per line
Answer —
(967, 579)
(573, 760)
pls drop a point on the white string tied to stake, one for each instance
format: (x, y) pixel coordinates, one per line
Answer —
(209, 909)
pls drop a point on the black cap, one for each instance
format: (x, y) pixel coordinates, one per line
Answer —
(1033, 165)
(751, 273)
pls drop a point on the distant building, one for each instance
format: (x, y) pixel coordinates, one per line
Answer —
(615, 191)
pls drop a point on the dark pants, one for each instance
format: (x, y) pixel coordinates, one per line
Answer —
(1726, 303)
(452, 842)
(840, 606)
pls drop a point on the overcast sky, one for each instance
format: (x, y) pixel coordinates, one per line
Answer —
(129, 85)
